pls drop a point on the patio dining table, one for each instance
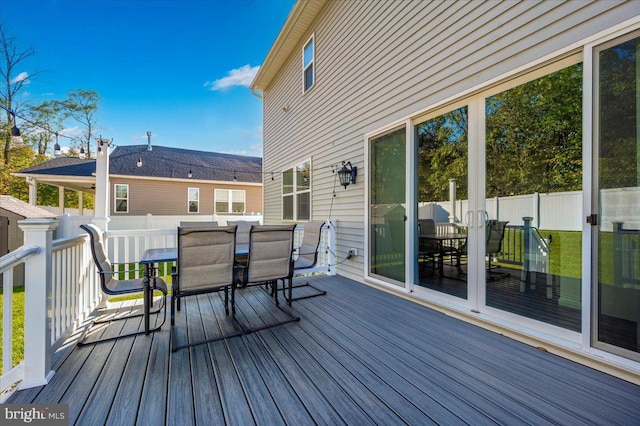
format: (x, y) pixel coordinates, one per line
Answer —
(161, 255)
(440, 239)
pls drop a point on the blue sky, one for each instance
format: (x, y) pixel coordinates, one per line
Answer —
(177, 68)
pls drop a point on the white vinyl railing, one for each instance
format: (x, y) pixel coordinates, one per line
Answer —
(128, 246)
(11, 373)
(75, 288)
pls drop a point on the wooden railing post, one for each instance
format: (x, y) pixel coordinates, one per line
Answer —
(37, 310)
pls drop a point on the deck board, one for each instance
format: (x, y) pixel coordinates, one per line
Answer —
(357, 356)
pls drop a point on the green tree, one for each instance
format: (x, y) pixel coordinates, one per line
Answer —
(82, 106)
(12, 57)
(534, 136)
(44, 120)
(442, 155)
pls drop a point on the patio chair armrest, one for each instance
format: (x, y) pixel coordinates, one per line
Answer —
(119, 272)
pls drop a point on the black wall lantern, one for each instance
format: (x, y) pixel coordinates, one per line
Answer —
(347, 174)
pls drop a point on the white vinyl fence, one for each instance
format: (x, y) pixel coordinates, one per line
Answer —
(560, 211)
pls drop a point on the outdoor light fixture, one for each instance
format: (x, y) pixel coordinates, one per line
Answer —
(81, 155)
(139, 163)
(347, 174)
(56, 148)
(15, 132)
(190, 175)
(235, 178)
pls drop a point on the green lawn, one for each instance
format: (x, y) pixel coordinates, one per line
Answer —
(566, 253)
(18, 325)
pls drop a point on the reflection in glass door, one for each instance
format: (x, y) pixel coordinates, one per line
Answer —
(442, 163)
(533, 204)
(616, 243)
(387, 206)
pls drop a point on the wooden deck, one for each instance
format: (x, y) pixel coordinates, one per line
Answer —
(357, 356)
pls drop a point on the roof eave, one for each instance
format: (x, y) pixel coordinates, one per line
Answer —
(294, 29)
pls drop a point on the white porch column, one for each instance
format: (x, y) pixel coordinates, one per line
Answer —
(37, 315)
(101, 201)
(80, 203)
(61, 200)
(33, 191)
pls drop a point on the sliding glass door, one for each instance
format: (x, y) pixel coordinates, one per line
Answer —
(387, 206)
(616, 198)
(441, 149)
(533, 203)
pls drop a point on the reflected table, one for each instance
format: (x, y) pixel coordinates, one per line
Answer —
(440, 240)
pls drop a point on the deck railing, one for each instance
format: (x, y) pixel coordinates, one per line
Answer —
(62, 289)
(524, 246)
(11, 372)
(127, 246)
(626, 256)
(75, 290)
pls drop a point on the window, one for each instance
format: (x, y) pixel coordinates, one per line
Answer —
(194, 200)
(308, 60)
(121, 200)
(230, 201)
(296, 192)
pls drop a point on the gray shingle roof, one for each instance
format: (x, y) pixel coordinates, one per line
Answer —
(161, 162)
(23, 209)
(176, 162)
(64, 166)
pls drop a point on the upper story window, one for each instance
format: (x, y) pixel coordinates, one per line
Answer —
(194, 200)
(230, 201)
(296, 192)
(308, 64)
(121, 199)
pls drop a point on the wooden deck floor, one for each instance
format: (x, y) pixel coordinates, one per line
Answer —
(357, 356)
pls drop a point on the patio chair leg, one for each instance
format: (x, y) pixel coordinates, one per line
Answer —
(173, 309)
(290, 298)
(163, 306)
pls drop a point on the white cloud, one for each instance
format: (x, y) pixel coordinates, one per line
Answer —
(254, 150)
(73, 132)
(23, 76)
(242, 76)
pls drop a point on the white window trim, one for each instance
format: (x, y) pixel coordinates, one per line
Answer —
(197, 200)
(115, 198)
(311, 63)
(295, 192)
(230, 200)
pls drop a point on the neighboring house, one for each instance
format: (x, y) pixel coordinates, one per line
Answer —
(162, 181)
(11, 236)
(510, 99)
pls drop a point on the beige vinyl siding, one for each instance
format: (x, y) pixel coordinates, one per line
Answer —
(377, 62)
(166, 197)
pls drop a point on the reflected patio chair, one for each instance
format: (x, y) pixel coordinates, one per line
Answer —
(206, 257)
(306, 257)
(269, 261)
(495, 236)
(112, 286)
(428, 250)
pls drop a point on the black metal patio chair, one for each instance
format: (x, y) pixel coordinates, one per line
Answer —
(112, 286)
(306, 257)
(268, 262)
(206, 259)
